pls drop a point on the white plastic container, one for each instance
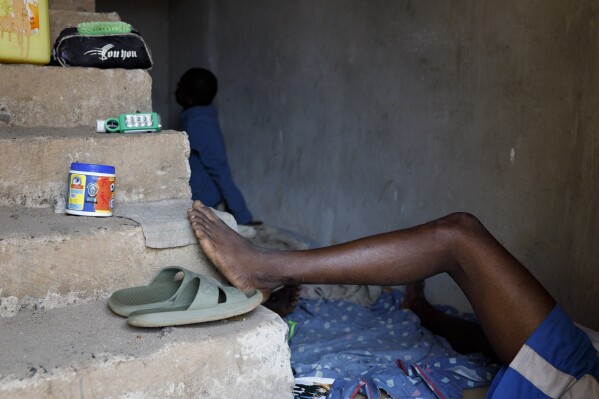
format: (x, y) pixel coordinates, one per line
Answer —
(91, 189)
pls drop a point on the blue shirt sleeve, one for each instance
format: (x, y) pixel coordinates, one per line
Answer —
(206, 138)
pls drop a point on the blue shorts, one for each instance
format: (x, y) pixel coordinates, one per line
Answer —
(557, 359)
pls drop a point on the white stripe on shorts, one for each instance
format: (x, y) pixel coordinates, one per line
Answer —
(539, 372)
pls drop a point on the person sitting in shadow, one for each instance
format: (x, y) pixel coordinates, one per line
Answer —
(211, 180)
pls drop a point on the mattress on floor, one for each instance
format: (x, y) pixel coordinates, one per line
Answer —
(382, 347)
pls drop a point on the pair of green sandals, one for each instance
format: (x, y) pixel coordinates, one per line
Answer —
(178, 296)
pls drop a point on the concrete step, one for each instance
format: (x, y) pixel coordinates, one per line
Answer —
(35, 162)
(66, 97)
(50, 260)
(60, 19)
(74, 5)
(88, 352)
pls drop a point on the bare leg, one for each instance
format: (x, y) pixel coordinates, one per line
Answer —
(463, 335)
(284, 300)
(509, 302)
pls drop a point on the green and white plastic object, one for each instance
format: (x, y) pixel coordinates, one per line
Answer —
(130, 123)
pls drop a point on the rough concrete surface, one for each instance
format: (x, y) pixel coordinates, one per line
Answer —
(50, 260)
(35, 163)
(70, 96)
(60, 19)
(74, 5)
(87, 351)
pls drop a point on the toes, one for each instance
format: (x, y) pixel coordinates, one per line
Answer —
(200, 233)
(193, 213)
(199, 209)
(210, 215)
(199, 217)
(197, 204)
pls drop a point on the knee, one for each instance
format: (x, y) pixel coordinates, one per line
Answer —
(460, 224)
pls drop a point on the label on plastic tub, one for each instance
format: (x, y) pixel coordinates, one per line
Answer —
(91, 190)
(76, 192)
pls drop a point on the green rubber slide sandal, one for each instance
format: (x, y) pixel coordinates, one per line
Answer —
(203, 299)
(162, 292)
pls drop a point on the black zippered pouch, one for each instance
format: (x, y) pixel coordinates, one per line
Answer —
(122, 50)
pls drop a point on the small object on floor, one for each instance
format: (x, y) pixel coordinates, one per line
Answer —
(312, 387)
(162, 291)
(203, 299)
(292, 325)
(165, 332)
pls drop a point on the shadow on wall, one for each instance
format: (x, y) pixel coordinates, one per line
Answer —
(151, 19)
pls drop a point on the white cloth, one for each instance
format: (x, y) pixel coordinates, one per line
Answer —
(365, 295)
(165, 223)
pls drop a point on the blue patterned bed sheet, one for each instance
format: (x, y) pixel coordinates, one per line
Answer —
(382, 347)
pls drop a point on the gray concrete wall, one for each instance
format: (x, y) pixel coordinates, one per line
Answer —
(346, 118)
(191, 43)
(179, 35)
(151, 19)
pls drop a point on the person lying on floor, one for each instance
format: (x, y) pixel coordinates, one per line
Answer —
(545, 355)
